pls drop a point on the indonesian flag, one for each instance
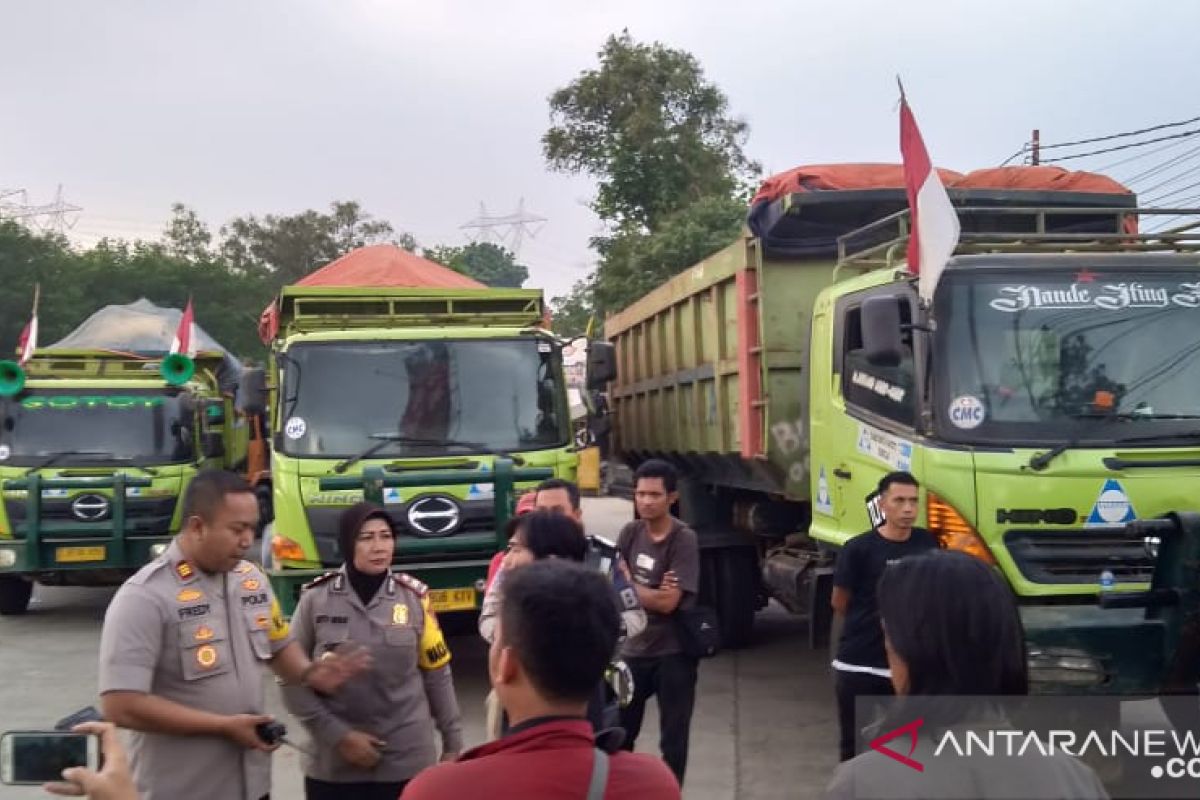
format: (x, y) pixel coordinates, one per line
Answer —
(935, 227)
(29, 334)
(184, 342)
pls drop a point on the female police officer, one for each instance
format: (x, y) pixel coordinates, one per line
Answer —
(374, 736)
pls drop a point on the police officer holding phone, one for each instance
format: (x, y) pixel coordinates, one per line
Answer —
(182, 650)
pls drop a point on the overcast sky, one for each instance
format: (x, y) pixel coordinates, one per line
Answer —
(422, 110)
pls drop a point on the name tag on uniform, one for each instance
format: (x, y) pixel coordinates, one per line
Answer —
(645, 562)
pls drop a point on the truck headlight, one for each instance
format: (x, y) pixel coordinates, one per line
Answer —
(157, 550)
(8, 557)
(1057, 666)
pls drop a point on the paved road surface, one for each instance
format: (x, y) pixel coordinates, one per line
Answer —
(764, 729)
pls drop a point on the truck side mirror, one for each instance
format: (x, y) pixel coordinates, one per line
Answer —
(601, 364)
(881, 332)
(252, 400)
(213, 444)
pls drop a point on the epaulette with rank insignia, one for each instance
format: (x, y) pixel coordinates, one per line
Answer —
(412, 583)
(328, 576)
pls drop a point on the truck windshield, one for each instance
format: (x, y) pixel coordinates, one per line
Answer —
(1043, 359)
(456, 396)
(94, 427)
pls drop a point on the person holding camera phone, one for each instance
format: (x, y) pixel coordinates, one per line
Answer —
(114, 779)
(372, 738)
(182, 650)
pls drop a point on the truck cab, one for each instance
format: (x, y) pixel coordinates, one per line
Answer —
(96, 449)
(374, 385)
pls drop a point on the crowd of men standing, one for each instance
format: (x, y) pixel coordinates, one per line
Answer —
(365, 668)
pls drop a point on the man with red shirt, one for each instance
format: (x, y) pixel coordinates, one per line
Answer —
(557, 630)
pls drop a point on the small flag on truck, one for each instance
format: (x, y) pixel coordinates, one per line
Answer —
(935, 228)
(184, 343)
(29, 334)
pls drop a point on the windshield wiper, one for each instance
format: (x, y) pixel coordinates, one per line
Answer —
(50, 458)
(1041, 461)
(395, 438)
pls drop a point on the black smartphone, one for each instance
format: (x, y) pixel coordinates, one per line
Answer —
(37, 757)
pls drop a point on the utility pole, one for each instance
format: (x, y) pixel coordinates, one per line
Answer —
(56, 217)
(1035, 148)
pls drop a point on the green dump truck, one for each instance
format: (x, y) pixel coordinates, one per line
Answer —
(96, 448)
(433, 401)
(1046, 398)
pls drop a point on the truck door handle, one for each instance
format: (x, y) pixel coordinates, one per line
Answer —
(844, 474)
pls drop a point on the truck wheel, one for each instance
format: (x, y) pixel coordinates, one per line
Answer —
(737, 581)
(14, 595)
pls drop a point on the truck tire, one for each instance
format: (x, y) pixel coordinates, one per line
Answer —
(737, 580)
(14, 595)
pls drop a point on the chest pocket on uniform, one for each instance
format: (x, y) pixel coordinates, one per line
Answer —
(329, 635)
(258, 623)
(204, 649)
(400, 645)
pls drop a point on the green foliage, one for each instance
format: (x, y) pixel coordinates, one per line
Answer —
(653, 132)
(667, 156)
(571, 313)
(230, 282)
(289, 247)
(487, 263)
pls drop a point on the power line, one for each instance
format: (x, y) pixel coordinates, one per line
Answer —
(1140, 156)
(1183, 135)
(1124, 135)
(1180, 190)
(1184, 175)
(1187, 155)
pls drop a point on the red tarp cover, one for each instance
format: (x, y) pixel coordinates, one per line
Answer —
(377, 265)
(1041, 178)
(833, 177)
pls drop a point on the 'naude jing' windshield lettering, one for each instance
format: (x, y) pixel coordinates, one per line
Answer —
(1109, 296)
(64, 402)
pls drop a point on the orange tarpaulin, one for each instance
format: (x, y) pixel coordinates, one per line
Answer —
(838, 177)
(1040, 178)
(377, 265)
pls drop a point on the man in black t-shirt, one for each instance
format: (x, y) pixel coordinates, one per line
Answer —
(861, 666)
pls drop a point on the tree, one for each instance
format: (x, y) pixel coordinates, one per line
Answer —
(633, 263)
(571, 313)
(289, 247)
(186, 235)
(653, 132)
(485, 262)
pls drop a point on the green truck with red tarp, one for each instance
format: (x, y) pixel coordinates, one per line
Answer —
(100, 434)
(1046, 399)
(397, 380)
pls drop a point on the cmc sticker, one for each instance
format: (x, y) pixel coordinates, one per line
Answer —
(967, 412)
(295, 428)
(5, 452)
(891, 450)
(1112, 506)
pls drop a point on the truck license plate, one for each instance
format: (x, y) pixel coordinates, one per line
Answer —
(452, 599)
(68, 555)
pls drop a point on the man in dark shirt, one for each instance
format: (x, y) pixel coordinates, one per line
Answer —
(662, 556)
(861, 666)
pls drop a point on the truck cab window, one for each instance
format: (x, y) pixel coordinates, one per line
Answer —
(888, 391)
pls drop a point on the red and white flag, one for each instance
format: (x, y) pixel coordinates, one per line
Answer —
(184, 342)
(29, 334)
(935, 226)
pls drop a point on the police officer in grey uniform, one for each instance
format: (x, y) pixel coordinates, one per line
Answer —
(377, 733)
(182, 651)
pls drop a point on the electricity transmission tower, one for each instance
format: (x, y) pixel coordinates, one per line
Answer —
(55, 217)
(506, 230)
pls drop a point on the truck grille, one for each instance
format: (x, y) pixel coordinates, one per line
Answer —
(478, 516)
(143, 516)
(1079, 556)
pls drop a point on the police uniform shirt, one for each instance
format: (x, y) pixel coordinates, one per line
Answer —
(408, 690)
(201, 641)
